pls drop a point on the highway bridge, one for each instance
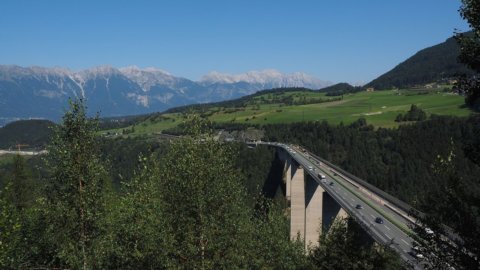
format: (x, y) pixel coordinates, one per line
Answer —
(319, 192)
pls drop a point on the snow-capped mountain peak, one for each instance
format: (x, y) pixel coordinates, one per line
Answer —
(268, 77)
(98, 71)
(44, 92)
(149, 77)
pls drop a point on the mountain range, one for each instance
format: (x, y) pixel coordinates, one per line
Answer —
(39, 92)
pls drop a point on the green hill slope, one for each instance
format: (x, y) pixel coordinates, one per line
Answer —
(434, 64)
(31, 133)
(340, 89)
(379, 108)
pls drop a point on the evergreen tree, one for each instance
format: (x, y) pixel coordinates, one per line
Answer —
(20, 193)
(9, 231)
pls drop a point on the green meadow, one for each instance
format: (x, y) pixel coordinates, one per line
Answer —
(379, 108)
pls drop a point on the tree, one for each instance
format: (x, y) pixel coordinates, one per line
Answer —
(138, 236)
(456, 204)
(273, 248)
(343, 247)
(18, 202)
(74, 197)
(20, 194)
(205, 200)
(9, 231)
(470, 51)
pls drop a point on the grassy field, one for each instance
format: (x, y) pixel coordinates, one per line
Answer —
(149, 126)
(378, 108)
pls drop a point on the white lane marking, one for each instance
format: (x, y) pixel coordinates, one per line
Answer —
(372, 216)
(352, 199)
(388, 236)
(387, 227)
(405, 241)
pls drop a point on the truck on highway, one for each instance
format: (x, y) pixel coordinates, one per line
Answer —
(321, 176)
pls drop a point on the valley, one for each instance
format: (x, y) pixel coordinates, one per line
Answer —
(379, 108)
(285, 135)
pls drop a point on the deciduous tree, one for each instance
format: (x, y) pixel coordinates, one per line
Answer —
(74, 200)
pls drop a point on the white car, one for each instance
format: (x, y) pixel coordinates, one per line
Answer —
(420, 256)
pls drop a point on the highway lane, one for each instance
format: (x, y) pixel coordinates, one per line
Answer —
(386, 206)
(344, 193)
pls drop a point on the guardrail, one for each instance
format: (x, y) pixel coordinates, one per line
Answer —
(382, 194)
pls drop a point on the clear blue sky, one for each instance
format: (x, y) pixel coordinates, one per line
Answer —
(335, 40)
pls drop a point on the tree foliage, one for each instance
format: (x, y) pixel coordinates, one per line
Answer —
(138, 235)
(344, 247)
(194, 204)
(21, 187)
(456, 204)
(31, 133)
(414, 114)
(397, 161)
(207, 204)
(470, 52)
(74, 200)
(9, 231)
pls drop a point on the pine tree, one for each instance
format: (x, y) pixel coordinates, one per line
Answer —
(21, 192)
(9, 230)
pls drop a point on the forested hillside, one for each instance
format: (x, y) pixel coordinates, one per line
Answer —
(399, 161)
(189, 205)
(434, 64)
(31, 133)
(239, 102)
(341, 89)
(433, 165)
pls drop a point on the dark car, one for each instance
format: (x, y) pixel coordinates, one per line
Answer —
(379, 220)
(359, 206)
(331, 184)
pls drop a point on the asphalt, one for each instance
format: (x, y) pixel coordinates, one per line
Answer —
(348, 196)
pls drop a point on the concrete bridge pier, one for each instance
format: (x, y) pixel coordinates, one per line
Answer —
(312, 209)
(314, 196)
(297, 203)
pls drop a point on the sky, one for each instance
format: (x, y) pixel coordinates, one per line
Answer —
(351, 41)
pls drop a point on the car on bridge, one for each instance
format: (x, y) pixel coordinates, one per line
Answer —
(359, 206)
(379, 220)
(321, 176)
